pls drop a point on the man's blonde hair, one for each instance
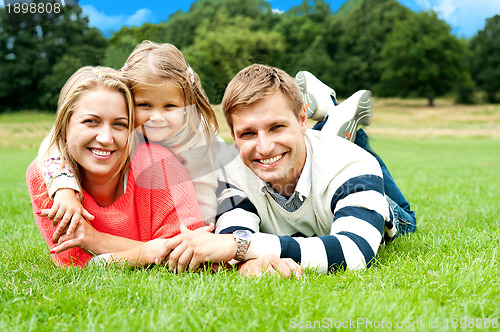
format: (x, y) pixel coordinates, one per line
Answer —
(256, 82)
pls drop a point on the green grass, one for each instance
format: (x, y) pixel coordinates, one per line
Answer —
(449, 269)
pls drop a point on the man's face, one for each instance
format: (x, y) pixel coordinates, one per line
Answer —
(270, 140)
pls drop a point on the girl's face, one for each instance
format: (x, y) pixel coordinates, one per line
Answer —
(159, 110)
(97, 133)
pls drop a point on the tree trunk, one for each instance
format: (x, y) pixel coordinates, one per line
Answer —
(431, 102)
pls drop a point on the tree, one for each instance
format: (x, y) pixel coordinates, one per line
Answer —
(180, 29)
(421, 58)
(361, 32)
(119, 49)
(306, 41)
(486, 58)
(39, 60)
(221, 51)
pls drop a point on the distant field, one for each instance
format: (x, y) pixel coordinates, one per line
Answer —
(393, 118)
(444, 277)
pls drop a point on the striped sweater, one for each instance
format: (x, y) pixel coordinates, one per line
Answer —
(339, 225)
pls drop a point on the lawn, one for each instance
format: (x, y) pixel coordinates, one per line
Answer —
(446, 276)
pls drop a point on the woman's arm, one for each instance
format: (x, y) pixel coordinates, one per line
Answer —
(90, 240)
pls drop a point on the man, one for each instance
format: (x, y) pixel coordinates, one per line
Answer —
(295, 197)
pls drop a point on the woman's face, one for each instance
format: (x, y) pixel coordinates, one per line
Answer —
(97, 133)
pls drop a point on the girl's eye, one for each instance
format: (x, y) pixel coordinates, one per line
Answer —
(142, 105)
(170, 106)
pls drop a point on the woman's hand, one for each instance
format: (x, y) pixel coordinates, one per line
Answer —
(85, 237)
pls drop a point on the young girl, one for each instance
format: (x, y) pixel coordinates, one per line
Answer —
(171, 109)
(92, 135)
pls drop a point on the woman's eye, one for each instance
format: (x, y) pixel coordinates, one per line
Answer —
(122, 124)
(89, 121)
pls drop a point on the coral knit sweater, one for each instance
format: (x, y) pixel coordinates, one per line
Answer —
(159, 197)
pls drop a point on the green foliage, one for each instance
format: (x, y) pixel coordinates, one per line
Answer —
(119, 49)
(363, 30)
(180, 29)
(368, 44)
(220, 51)
(306, 40)
(38, 61)
(421, 58)
(486, 58)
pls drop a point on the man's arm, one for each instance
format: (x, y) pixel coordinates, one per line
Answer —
(359, 207)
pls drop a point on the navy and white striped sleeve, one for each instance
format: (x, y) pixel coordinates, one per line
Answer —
(360, 208)
(234, 211)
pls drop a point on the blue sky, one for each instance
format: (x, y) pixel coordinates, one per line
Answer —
(465, 17)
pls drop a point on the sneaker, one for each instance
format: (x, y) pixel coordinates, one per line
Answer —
(317, 95)
(344, 119)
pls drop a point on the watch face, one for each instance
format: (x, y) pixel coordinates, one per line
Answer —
(244, 235)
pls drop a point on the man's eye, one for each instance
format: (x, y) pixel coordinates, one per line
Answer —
(246, 134)
(277, 127)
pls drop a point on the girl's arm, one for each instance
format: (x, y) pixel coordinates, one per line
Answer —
(63, 189)
(55, 173)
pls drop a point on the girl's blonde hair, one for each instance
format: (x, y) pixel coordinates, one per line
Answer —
(82, 81)
(151, 64)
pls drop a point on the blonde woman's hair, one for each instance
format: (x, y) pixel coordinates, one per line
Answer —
(82, 81)
(256, 82)
(151, 64)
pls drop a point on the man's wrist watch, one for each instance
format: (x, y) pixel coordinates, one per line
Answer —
(242, 238)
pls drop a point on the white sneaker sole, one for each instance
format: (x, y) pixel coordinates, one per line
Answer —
(309, 101)
(345, 118)
(362, 117)
(319, 101)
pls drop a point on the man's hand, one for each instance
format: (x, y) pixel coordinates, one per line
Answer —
(273, 265)
(191, 248)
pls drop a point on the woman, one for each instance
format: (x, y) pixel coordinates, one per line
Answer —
(133, 201)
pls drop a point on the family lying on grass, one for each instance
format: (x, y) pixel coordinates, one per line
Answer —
(134, 171)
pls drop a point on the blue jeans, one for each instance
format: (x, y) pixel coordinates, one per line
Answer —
(399, 205)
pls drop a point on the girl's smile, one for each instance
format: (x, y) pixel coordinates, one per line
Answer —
(160, 110)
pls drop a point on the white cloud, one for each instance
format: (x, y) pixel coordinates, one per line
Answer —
(465, 17)
(108, 23)
(277, 11)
